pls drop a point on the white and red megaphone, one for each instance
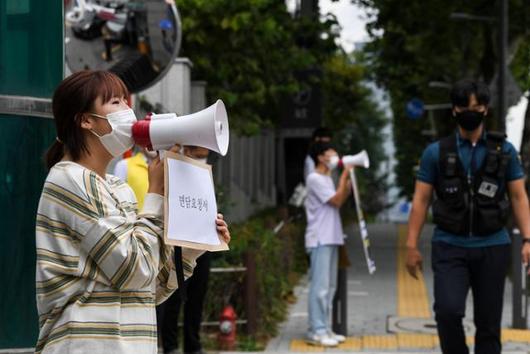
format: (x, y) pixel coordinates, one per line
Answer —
(360, 159)
(207, 128)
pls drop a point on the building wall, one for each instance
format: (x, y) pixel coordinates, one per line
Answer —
(247, 175)
(173, 91)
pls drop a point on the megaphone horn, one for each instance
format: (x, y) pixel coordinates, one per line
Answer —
(207, 128)
(360, 159)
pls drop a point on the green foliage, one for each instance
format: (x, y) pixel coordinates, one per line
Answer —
(244, 342)
(520, 65)
(247, 51)
(280, 260)
(350, 109)
(416, 42)
(344, 95)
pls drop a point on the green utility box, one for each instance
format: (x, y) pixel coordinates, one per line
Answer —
(31, 66)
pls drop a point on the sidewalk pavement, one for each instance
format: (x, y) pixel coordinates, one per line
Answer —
(388, 311)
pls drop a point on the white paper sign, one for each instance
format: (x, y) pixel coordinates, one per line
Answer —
(191, 208)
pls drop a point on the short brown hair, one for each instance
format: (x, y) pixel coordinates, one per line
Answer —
(76, 95)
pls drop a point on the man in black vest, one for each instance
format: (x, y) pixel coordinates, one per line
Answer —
(476, 177)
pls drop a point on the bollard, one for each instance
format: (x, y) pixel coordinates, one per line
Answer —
(340, 304)
(519, 310)
(250, 293)
(340, 300)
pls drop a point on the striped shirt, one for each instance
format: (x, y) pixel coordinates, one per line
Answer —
(101, 268)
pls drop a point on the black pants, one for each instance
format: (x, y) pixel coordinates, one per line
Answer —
(456, 270)
(168, 312)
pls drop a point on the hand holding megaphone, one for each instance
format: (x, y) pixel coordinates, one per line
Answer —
(361, 159)
(207, 128)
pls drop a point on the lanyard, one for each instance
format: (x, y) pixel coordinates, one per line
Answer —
(469, 169)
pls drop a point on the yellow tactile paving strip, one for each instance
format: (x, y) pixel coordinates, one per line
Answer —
(351, 343)
(298, 345)
(412, 340)
(380, 342)
(400, 341)
(412, 298)
(412, 301)
(515, 335)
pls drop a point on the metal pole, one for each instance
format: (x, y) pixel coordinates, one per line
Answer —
(503, 50)
(433, 126)
(250, 292)
(281, 180)
(340, 304)
(519, 309)
(309, 8)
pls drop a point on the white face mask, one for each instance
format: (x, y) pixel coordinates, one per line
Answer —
(120, 139)
(333, 162)
(203, 160)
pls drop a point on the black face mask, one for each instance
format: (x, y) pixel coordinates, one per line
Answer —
(469, 120)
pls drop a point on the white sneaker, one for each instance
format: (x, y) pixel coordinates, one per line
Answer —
(322, 339)
(338, 337)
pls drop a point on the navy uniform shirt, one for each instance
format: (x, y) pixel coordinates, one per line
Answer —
(472, 158)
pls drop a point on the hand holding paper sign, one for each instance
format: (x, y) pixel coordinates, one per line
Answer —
(156, 174)
(222, 228)
(191, 218)
(190, 207)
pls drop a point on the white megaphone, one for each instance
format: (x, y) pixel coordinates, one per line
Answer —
(207, 128)
(360, 159)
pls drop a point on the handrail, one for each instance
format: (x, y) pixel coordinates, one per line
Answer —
(26, 106)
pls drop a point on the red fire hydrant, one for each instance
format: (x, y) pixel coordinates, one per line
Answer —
(227, 328)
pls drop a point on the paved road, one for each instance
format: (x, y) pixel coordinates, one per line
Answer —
(388, 310)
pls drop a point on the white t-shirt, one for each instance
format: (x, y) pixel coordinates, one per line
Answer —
(120, 170)
(309, 166)
(324, 226)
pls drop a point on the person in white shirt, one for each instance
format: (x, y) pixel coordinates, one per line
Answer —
(320, 135)
(323, 237)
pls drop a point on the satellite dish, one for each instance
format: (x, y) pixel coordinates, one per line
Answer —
(137, 40)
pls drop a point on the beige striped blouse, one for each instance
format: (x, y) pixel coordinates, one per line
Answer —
(101, 268)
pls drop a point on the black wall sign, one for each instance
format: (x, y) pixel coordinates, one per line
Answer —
(304, 108)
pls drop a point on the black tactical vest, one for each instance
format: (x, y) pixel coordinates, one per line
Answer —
(471, 205)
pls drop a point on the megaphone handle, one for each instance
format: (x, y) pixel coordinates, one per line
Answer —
(356, 194)
(362, 224)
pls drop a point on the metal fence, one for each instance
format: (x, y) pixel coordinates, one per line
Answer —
(247, 175)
